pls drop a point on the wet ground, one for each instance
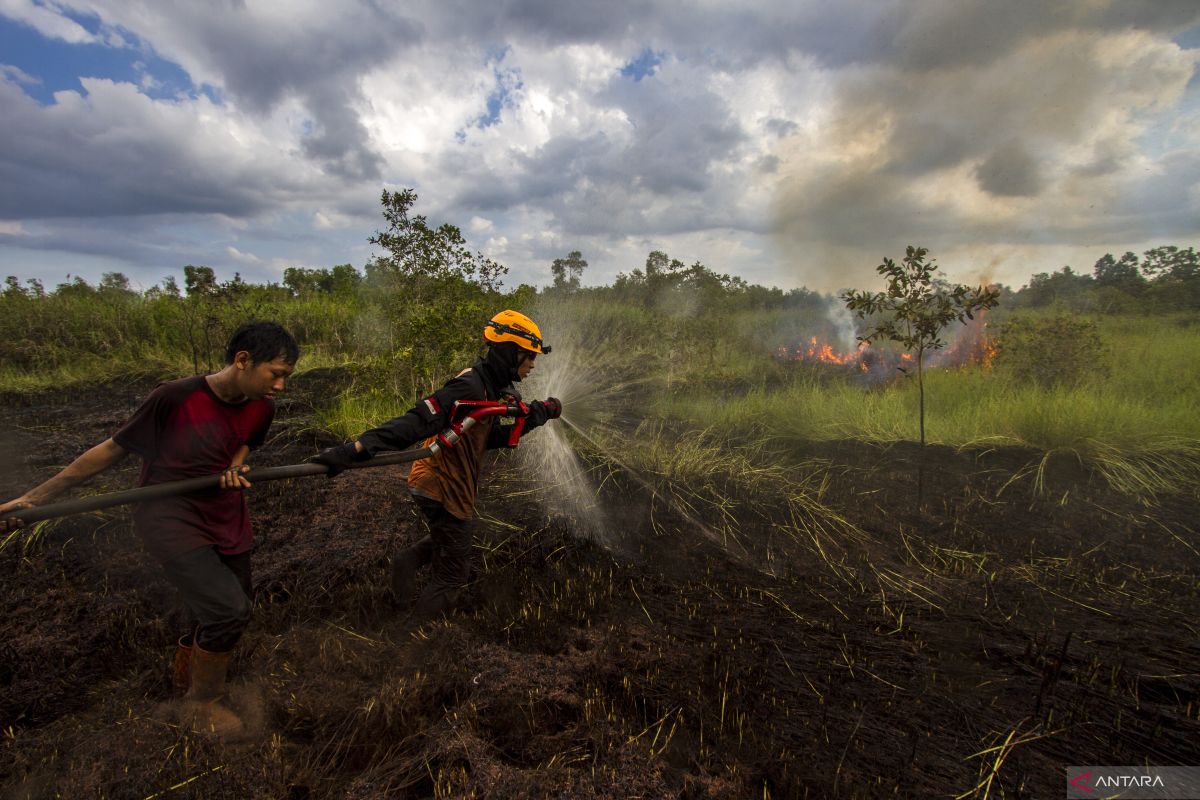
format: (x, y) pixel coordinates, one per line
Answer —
(727, 641)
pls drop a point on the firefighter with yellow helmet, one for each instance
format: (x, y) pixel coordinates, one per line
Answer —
(445, 485)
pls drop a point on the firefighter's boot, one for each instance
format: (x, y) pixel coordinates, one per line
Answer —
(202, 704)
(181, 666)
(404, 572)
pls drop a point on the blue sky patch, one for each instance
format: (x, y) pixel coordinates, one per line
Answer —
(643, 65)
(57, 65)
(507, 82)
(1189, 39)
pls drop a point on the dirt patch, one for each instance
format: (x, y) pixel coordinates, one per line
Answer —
(994, 630)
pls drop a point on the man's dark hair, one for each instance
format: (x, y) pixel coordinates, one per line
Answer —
(264, 341)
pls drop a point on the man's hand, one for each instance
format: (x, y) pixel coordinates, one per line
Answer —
(553, 407)
(232, 478)
(341, 457)
(8, 523)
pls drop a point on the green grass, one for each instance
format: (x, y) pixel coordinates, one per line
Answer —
(92, 368)
(352, 413)
(1136, 420)
(1136, 415)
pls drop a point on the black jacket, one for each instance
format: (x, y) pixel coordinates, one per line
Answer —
(488, 379)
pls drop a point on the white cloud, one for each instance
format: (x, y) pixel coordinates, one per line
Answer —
(331, 220)
(240, 257)
(18, 75)
(47, 19)
(496, 247)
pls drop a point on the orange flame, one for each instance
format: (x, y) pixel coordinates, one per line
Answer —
(822, 351)
(971, 346)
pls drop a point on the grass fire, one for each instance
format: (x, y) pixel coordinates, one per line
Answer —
(736, 542)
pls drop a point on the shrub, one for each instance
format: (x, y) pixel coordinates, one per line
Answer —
(1048, 351)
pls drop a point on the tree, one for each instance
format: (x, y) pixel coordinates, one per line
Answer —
(914, 311)
(1120, 274)
(115, 283)
(344, 280)
(1174, 276)
(568, 271)
(77, 287)
(1065, 287)
(199, 281)
(433, 292)
(302, 281)
(1171, 264)
(417, 253)
(167, 289)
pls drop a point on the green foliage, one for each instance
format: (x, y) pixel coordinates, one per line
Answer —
(668, 285)
(1064, 287)
(1165, 278)
(79, 332)
(568, 271)
(1171, 264)
(432, 294)
(1047, 351)
(199, 281)
(417, 253)
(1122, 274)
(342, 280)
(916, 308)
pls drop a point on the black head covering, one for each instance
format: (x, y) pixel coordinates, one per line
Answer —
(504, 358)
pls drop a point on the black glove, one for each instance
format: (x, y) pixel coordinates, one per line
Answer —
(553, 407)
(340, 457)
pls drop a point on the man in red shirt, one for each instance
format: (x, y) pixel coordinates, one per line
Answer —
(188, 428)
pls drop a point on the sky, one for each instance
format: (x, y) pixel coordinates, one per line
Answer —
(790, 142)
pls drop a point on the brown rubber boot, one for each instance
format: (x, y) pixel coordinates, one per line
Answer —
(202, 703)
(181, 667)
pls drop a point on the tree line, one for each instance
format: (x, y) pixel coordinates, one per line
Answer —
(1162, 278)
(417, 306)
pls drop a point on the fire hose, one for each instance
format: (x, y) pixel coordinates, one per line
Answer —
(466, 413)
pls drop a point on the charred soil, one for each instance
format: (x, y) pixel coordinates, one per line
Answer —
(1015, 624)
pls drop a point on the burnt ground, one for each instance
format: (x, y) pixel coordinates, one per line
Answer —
(975, 647)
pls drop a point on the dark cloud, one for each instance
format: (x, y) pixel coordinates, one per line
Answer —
(1010, 171)
(73, 159)
(944, 34)
(781, 127)
(340, 141)
(768, 165)
(1161, 204)
(146, 250)
(1046, 132)
(544, 21)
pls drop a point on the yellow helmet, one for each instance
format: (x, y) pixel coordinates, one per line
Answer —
(513, 326)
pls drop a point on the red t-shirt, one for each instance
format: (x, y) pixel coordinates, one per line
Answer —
(183, 430)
